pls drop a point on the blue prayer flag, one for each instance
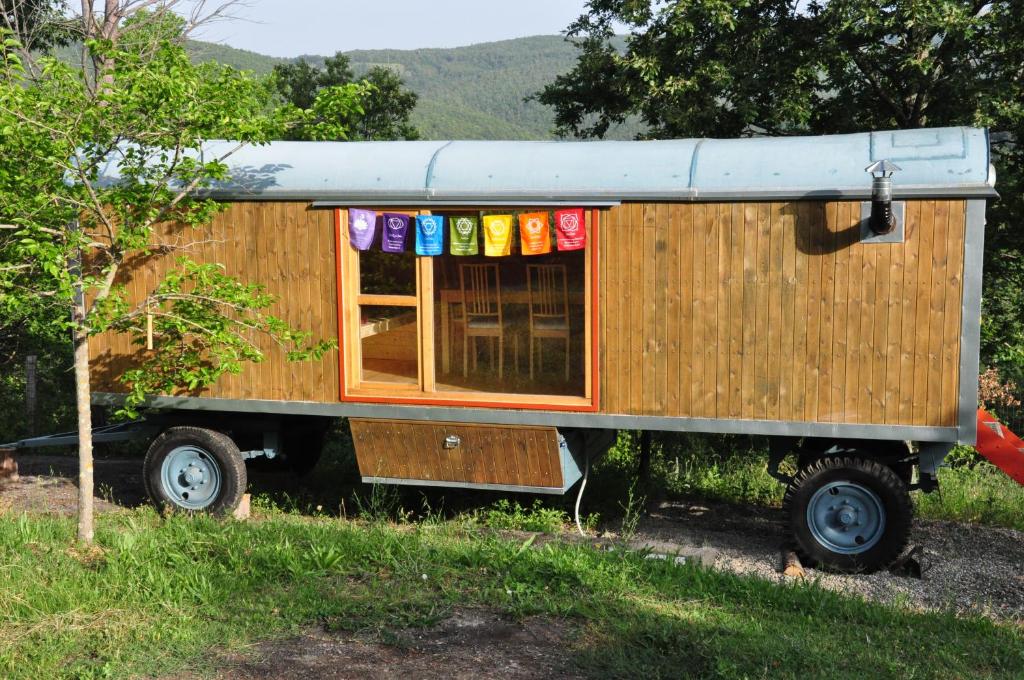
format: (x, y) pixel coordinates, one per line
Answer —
(429, 234)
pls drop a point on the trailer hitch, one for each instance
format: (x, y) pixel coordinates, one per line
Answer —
(119, 432)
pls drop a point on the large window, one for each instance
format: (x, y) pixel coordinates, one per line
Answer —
(514, 329)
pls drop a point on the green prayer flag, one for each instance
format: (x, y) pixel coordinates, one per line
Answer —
(463, 230)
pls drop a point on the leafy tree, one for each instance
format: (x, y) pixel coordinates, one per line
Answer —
(693, 68)
(102, 164)
(299, 81)
(386, 109)
(386, 105)
(37, 24)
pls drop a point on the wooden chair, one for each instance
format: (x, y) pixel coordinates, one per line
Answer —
(547, 286)
(480, 286)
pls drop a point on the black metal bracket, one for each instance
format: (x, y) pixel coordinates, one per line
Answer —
(778, 449)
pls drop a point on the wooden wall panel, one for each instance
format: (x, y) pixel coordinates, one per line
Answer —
(777, 311)
(287, 247)
(486, 454)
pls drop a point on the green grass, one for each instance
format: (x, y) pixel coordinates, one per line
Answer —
(510, 515)
(981, 494)
(162, 593)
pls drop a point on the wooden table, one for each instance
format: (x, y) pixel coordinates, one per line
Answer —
(453, 296)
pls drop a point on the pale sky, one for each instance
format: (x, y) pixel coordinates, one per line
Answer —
(288, 28)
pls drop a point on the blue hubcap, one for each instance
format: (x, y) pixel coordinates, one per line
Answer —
(191, 477)
(846, 518)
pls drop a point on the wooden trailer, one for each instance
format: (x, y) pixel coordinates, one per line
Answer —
(729, 286)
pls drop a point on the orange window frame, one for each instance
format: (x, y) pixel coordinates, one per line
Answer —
(398, 394)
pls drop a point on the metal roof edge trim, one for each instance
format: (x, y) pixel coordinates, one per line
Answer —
(689, 195)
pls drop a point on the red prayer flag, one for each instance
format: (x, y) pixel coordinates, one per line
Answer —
(571, 229)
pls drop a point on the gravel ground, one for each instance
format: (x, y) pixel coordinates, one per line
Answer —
(966, 568)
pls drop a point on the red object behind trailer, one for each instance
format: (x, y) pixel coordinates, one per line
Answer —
(1000, 446)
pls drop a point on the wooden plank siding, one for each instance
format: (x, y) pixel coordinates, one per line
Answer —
(778, 311)
(759, 311)
(287, 247)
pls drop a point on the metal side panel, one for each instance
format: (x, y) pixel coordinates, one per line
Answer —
(555, 418)
(970, 323)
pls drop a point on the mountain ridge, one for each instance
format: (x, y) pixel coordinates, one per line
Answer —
(475, 91)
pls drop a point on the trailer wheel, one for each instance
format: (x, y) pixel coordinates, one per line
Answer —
(848, 514)
(196, 470)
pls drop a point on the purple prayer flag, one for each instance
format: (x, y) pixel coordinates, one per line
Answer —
(429, 235)
(362, 226)
(396, 226)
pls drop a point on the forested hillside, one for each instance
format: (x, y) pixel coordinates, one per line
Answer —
(245, 60)
(474, 92)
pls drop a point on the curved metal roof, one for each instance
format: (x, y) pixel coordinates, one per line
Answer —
(933, 162)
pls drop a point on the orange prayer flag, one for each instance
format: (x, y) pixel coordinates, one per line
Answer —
(534, 233)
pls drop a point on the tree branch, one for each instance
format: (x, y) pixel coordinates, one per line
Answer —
(878, 87)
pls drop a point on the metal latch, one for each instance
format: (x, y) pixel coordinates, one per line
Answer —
(452, 441)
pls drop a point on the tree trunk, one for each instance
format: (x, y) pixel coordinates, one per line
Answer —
(83, 399)
(31, 392)
(83, 402)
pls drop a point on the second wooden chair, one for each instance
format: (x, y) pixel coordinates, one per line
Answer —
(480, 286)
(548, 290)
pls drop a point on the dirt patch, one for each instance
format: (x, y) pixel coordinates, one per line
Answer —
(48, 484)
(472, 643)
(967, 567)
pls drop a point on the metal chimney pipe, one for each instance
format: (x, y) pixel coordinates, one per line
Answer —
(882, 220)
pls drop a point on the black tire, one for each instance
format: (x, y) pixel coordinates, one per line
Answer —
(872, 509)
(217, 458)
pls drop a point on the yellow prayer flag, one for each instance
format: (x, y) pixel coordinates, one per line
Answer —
(497, 235)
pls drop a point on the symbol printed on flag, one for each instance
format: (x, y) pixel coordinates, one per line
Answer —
(360, 224)
(429, 226)
(997, 428)
(464, 226)
(394, 224)
(499, 226)
(534, 225)
(570, 224)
